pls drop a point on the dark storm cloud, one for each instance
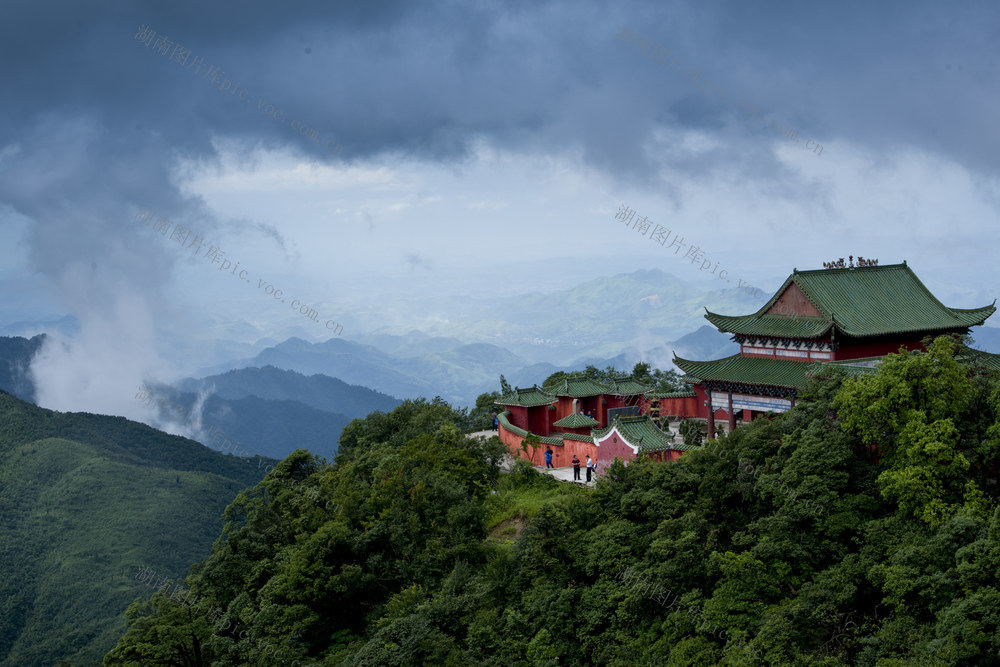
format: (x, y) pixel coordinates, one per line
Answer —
(97, 118)
(425, 79)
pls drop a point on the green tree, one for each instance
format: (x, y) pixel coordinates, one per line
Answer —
(530, 444)
(784, 542)
(907, 415)
(557, 377)
(162, 631)
(480, 417)
(691, 431)
(877, 407)
(641, 373)
(667, 381)
(928, 479)
(408, 420)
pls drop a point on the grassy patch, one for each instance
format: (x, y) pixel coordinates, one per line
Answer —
(520, 495)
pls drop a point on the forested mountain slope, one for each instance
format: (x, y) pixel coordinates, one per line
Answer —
(859, 528)
(85, 501)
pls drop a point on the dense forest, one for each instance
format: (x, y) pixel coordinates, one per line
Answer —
(84, 498)
(861, 527)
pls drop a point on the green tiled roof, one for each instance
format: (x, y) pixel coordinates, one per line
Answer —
(979, 358)
(526, 397)
(851, 366)
(577, 388)
(671, 394)
(626, 387)
(748, 370)
(858, 302)
(576, 420)
(642, 433)
(763, 324)
(550, 440)
(574, 436)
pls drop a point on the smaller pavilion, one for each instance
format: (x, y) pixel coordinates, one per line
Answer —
(628, 438)
(528, 409)
(576, 423)
(576, 395)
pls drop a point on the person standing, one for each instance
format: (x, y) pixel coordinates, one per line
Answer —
(548, 458)
(495, 420)
(576, 468)
(590, 466)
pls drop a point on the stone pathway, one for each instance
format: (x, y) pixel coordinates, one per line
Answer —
(565, 474)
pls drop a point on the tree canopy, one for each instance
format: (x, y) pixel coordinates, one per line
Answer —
(861, 527)
(643, 373)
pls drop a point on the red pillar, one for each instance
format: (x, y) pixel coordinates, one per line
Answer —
(732, 415)
(711, 417)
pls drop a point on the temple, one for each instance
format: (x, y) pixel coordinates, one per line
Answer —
(843, 315)
(846, 315)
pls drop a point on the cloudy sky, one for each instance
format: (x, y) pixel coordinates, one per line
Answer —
(354, 152)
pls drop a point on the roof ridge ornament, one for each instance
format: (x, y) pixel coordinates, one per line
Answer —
(862, 262)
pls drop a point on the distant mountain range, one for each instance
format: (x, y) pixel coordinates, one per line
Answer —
(415, 364)
(317, 391)
(85, 501)
(599, 318)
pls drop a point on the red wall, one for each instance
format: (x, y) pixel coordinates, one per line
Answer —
(608, 450)
(512, 440)
(539, 419)
(794, 301)
(685, 407)
(564, 407)
(700, 405)
(562, 455)
(518, 416)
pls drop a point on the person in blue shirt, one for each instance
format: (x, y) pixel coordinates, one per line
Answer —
(548, 458)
